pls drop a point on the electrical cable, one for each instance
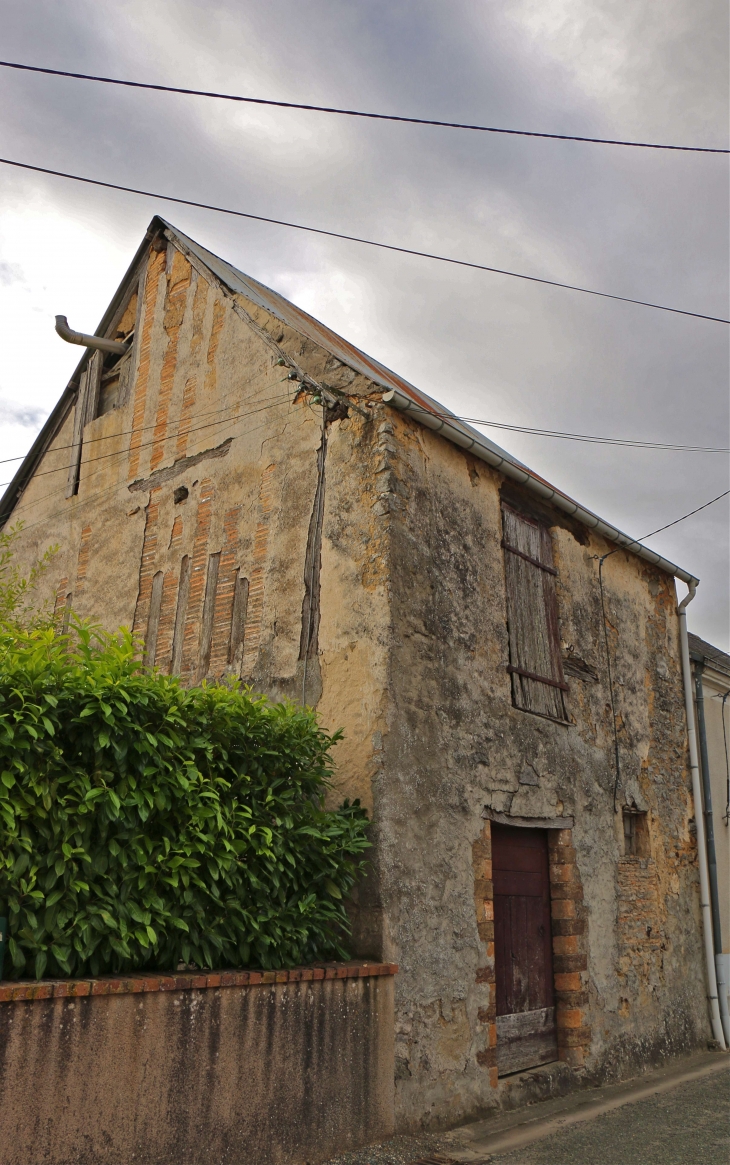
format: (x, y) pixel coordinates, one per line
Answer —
(94, 497)
(357, 239)
(155, 441)
(689, 515)
(116, 485)
(564, 436)
(524, 133)
(139, 429)
(631, 444)
(617, 754)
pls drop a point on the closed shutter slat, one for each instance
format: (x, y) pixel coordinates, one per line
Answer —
(534, 636)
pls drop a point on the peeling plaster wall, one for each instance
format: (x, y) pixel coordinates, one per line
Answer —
(455, 745)
(208, 408)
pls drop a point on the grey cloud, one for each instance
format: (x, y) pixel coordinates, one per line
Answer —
(12, 413)
(10, 273)
(635, 222)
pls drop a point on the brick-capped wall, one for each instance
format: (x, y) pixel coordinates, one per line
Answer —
(239, 1066)
(133, 984)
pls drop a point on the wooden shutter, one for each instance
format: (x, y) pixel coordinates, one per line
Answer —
(86, 399)
(538, 684)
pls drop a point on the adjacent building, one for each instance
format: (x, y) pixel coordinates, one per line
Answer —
(258, 498)
(711, 673)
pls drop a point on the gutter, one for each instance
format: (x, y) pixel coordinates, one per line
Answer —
(706, 910)
(469, 439)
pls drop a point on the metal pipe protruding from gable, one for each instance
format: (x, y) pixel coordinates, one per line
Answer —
(472, 442)
(706, 910)
(99, 343)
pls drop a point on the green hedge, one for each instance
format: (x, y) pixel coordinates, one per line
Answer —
(143, 824)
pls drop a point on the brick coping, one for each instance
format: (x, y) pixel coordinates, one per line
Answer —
(11, 992)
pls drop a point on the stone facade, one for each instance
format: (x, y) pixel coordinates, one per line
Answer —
(252, 508)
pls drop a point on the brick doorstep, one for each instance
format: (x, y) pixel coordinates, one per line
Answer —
(12, 991)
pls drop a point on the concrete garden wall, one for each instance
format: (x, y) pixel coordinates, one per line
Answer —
(242, 1068)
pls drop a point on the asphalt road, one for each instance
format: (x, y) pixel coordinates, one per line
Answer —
(688, 1126)
(688, 1123)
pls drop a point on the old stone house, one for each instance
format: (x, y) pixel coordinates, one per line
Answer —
(258, 498)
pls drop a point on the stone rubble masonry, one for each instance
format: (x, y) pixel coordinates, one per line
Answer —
(219, 317)
(147, 567)
(190, 392)
(83, 560)
(225, 594)
(255, 612)
(152, 981)
(198, 576)
(570, 954)
(179, 281)
(484, 902)
(155, 268)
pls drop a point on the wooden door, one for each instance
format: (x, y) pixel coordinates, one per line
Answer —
(523, 949)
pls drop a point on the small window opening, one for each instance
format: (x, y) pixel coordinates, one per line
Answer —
(109, 386)
(636, 833)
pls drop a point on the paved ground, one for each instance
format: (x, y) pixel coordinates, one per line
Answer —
(687, 1126)
(679, 1116)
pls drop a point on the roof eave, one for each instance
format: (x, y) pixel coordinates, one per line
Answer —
(436, 418)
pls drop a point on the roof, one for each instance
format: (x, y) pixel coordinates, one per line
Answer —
(710, 656)
(404, 395)
(319, 333)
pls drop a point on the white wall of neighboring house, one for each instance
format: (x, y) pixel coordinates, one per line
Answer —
(715, 686)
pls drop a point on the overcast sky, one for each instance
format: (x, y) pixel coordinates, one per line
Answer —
(641, 223)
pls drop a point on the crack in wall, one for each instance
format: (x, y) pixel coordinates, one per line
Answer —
(309, 640)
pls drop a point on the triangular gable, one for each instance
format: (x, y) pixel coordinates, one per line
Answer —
(402, 394)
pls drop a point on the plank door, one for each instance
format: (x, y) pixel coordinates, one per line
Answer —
(526, 1034)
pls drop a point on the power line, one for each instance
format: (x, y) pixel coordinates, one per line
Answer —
(689, 515)
(127, 452)
(117, 485)
(524, 133)
(357, 239)
(94, 496)
(144, 429)
(564, 436)
(631, 444)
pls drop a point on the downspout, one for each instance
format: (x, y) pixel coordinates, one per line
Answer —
(98, 342)
(722, 986)
(715, 1019)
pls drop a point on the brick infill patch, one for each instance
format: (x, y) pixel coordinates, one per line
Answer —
(11, 992)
